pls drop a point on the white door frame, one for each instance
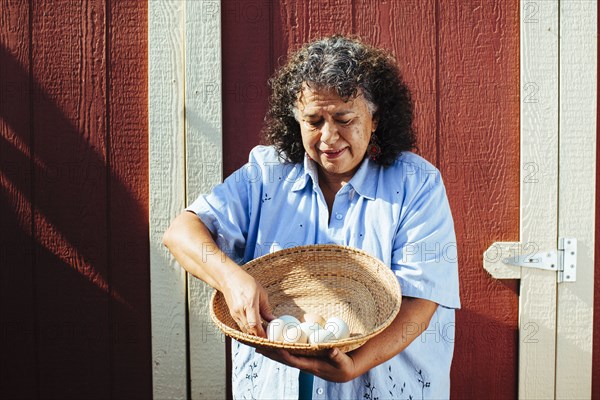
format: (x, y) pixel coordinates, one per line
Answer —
(185, 118)
(558, 167)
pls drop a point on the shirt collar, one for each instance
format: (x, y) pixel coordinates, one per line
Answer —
(309, 170)
(363, 182)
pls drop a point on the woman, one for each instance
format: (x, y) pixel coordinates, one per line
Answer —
(337, 169)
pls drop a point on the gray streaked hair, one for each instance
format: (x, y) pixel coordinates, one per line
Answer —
(347, 66)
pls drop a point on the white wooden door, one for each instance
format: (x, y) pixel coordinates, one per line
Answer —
(558, 142)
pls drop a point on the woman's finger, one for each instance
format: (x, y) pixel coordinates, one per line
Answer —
(253, 321)
(264, 306)
(337, 357)
(240, 323)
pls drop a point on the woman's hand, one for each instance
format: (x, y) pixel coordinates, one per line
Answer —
(412, 320)
(335, 366)
(248, 303)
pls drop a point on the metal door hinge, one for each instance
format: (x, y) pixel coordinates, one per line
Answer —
(563, 260)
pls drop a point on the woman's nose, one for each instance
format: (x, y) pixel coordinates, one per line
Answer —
(329, 133)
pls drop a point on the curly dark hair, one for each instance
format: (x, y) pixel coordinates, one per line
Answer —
(344, 64)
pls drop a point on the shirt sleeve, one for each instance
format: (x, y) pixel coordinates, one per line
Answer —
(226, 212)
(424, 256)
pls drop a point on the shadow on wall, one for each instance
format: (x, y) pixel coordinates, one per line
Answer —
(74, 266)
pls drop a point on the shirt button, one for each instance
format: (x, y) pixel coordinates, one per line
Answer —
(320, 391)
(338, 216)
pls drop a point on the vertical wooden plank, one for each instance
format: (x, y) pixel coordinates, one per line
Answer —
(577, 191)
(69, 151)
(167, 194)
(407, 28)
(204, 158)
(248, 60)
(539, 186)
(298, 22)
(478, 158)
(131, 370)
(18, 365)
(596, 329)
(247, 65)
(323, 18)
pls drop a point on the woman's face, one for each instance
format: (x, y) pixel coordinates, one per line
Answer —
(335, 133)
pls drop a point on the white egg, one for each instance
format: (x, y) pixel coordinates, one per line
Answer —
(289, 318)
(338, 327)
(309, 327)
(321, 336)
(312, 318)
(275, 330)
(293, 333)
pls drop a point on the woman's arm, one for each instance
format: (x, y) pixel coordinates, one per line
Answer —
(192, 245)
(412, 320)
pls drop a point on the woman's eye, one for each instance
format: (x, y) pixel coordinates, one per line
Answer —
(313, 124)
(317, 124)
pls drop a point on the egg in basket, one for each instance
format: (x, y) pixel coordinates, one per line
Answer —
(341, 284)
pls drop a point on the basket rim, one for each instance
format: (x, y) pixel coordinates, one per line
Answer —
(258, 341)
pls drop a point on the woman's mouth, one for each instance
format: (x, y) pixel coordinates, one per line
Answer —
(331, 154)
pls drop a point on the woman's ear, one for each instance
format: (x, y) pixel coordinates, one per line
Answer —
(375, 121)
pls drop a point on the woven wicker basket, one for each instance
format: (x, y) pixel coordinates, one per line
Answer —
(324, 279)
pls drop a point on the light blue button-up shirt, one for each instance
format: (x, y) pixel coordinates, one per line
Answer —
(399, 214)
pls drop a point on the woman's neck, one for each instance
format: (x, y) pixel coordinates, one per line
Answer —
(333, 182)
(330, 184)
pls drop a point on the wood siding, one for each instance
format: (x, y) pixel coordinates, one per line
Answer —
(461, 59)
(75, 299)
(596, 338)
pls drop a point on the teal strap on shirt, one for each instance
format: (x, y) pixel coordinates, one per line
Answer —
(306, 385)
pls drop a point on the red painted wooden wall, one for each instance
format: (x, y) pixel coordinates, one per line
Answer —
(461, 59)
(74, 268)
